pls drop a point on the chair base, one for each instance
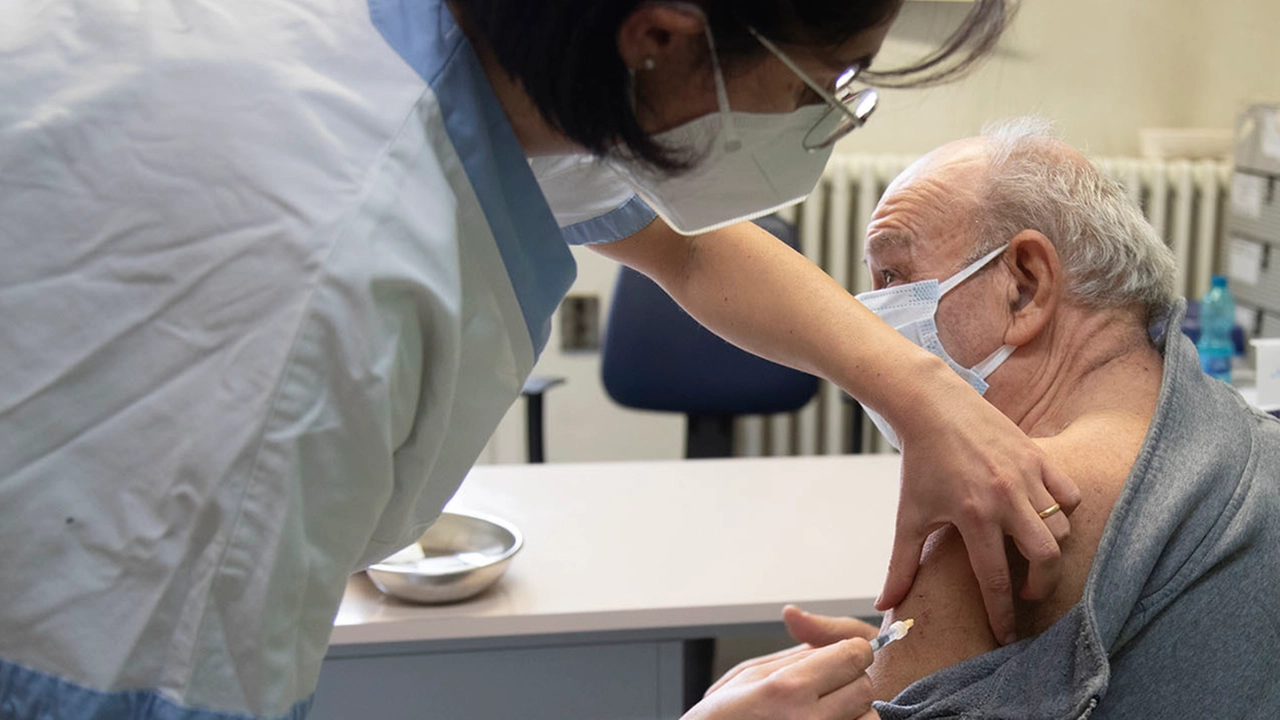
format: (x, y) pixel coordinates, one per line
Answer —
(708, 436)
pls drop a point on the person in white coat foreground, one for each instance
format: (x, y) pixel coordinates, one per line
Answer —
(273, 271)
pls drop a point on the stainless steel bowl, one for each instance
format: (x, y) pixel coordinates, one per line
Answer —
(457, 557)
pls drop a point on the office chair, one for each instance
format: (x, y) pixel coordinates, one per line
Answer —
(657, 357)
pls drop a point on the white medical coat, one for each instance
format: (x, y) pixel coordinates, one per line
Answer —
(271, 271)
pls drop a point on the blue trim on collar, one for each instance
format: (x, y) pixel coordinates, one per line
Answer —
(27, 694)
(538, 261)
(623, 221)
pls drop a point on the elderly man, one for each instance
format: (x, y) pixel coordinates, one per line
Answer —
(1169, 604)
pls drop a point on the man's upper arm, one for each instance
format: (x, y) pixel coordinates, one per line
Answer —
(951, 623)
(950, 619)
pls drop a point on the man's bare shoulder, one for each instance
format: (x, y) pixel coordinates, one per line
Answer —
(1098, 447)
(1097, 451)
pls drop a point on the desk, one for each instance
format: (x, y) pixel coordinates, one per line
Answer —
(622, 562)
(1250, 395)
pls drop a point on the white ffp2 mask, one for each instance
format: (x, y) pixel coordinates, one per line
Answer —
(749, 164)
(912, 310)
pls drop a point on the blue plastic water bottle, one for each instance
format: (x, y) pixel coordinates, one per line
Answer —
(1217, 317)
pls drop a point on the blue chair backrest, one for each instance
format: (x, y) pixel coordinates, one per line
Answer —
(657, 357)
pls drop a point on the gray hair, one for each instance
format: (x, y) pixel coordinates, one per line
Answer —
(1111, 256)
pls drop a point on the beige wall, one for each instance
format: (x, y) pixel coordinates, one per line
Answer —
(1237, 47)
(1102, 68)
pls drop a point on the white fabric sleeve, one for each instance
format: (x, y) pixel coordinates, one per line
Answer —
(591, 202)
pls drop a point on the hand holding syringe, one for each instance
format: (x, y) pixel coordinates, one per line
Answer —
(819, 636)
(896, 631)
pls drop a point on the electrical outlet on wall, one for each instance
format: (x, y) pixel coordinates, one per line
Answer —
(580, 323)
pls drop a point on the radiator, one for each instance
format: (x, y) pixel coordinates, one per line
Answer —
(1182, 199)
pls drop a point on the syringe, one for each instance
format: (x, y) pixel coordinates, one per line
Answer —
(896, 631)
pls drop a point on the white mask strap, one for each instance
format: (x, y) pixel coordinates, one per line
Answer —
(731, 140)
(993, 361)
(947, 285)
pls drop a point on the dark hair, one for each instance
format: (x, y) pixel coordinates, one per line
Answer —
(564, 53)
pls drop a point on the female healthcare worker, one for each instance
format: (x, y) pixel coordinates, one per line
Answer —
(273, 270)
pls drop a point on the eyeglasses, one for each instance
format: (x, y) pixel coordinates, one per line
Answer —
(849, 109)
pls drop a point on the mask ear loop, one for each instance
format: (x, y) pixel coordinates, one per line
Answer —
(732, 143)
(949, 284)
(993, 361)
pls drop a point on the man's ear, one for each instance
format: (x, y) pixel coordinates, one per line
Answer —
(1037, 272)
(657, 35)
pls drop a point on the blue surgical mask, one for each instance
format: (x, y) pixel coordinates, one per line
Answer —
(912, 310)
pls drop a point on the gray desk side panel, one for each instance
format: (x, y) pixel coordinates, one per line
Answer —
(626, 681)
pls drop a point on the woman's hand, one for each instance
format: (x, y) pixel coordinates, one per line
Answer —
(812, 631)
(817, 683)
(966, 464)
(822, 630)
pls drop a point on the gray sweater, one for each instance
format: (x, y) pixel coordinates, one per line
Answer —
(1180, 615)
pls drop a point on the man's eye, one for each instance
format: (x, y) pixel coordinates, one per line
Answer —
(887, 277)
